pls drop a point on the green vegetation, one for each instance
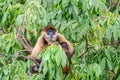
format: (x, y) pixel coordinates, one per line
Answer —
(92, 26)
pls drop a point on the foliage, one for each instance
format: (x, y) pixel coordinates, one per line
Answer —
(98, 19)
(52, 62)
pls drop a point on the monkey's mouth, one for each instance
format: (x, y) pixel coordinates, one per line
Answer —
(51, 37)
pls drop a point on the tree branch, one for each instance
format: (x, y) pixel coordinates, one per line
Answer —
(27, 47)
(116, 44)
(114, 5)
(12, 56)
(23, 41)
(98, 18)
(86, 46)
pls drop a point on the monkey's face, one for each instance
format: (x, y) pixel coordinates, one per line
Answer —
(50, 35)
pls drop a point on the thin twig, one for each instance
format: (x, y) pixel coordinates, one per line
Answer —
(98, 18)
(12, 56)
(27, 43)
(2, 32)
(116, 44)
(36, 61)
(114, 5)
(86, 46)
(3, 55)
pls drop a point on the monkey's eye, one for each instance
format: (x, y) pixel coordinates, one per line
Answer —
(50, 32)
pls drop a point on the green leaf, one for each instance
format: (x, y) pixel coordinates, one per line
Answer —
(59, 75)
(97, 70)
(35, 32)
(118, 78)
(107, 53)
(108, 22)
(75, 9)
(6, 72)
(8, 47)
(58, 58)
(4, 18)
(116, 33)
(73, 36)
(5, 77)
(109, 64)
(116, 69)
(28, 35)
(45, 69)
(51, 67)
(102, 63)
(108, 33)
(62, 28)
(19, 20)
(46, 57)
(64, 58)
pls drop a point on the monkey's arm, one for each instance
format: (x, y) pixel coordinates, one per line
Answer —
(38, 47)
(69, 50)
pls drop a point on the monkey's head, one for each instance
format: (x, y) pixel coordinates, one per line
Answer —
(50, 34)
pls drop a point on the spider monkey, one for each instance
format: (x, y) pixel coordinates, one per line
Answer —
(48, 36)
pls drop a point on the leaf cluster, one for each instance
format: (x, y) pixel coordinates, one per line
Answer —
(98, 19)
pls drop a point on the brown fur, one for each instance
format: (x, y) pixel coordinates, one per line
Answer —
(43, 43)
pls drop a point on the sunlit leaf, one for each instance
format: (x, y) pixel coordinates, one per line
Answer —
(96, 18)
(116, 69)
(59, 74)
(103, 63)
(58, 58)
(8, 47)
(118, 78)
(19, 20)
(46, 57)
(45, 69)
(108, 54)
(4, 17)
(109, 64)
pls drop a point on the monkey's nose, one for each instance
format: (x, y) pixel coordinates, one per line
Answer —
(51, 37)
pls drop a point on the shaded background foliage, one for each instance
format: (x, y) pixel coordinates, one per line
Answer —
(98, 19)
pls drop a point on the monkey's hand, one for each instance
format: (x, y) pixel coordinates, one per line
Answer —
(33, 59)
